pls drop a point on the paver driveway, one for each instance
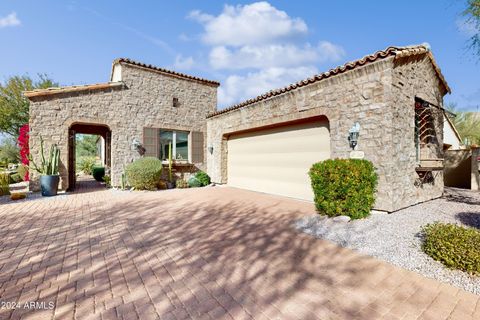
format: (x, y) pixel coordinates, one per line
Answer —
(211, 253)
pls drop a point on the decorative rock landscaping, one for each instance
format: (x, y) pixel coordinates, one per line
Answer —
(397, 238)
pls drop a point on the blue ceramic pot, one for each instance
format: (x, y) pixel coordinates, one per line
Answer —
(49, 185)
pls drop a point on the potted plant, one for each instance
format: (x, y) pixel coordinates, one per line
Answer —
(48, 170)
(170, 182)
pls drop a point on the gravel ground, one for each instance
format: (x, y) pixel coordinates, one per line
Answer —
(396, 237)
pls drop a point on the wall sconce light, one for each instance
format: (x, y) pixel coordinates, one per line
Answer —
(137, 145)
(353, 134)
(210, 149)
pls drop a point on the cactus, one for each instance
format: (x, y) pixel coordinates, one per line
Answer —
(48, 167)
(4, 184)
(124, 180)
(170, 177)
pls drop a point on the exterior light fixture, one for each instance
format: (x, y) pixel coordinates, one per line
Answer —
(353, 134)
(210, 149)
(137, 145)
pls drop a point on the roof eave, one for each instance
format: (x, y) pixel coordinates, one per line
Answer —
(151, 68)
(70, 89)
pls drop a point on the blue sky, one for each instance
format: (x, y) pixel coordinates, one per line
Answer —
(250, 47)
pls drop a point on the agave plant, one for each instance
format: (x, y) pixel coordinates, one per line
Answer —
(48, 166)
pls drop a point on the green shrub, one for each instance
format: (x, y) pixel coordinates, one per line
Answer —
(144, 173)
(203, 178)
(344, 187)
(199, 179)
(107, 181)
(4, 184)
(193, 182)
(86, 164)
(98, 173)
(455, 246)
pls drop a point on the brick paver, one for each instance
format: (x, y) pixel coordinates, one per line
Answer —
(211, 253)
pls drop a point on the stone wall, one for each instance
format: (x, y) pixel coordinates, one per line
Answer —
(358, 95)
(370, 95)
(414, 77)
(145, 101)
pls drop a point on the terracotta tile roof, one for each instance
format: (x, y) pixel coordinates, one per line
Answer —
(396, 52)
(162, 70)
(58, 90)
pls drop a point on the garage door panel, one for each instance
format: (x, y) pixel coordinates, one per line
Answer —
(277, 160)
(280, 159)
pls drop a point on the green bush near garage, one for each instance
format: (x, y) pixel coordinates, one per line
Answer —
(453, 245)
(144, 173)
(199, 179)
(344, 187)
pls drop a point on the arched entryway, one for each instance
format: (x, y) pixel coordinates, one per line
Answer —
(87, 128)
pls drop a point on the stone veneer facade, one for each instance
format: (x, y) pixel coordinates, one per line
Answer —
(145, 100)
(380, 96)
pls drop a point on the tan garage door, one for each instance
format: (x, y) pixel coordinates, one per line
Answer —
(277, 160)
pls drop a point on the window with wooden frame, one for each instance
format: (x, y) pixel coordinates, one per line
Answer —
(187, 146)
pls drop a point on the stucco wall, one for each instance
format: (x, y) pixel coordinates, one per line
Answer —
(145, 101)
(449, 135)
(355, 96)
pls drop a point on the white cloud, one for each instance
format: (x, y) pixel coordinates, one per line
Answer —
(263, 45)
(467, 27)
(183, 63)
(237, 87)
(10, 21)
(256, 23)
(330, 52)
(273, 55)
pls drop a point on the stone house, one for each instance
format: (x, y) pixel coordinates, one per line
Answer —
(142, 104)
(391, 99)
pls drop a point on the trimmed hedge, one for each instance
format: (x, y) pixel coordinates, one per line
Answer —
(98, 173)
(144, 173)
(454, 246)
(344, 187)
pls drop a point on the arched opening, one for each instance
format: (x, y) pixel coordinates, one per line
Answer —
(103, 145)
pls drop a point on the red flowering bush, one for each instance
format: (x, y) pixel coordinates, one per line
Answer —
(24, 148)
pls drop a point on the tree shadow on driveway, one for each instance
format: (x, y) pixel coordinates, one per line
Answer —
(202, 253)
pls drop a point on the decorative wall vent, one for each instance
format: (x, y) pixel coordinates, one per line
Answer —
(176, 104)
